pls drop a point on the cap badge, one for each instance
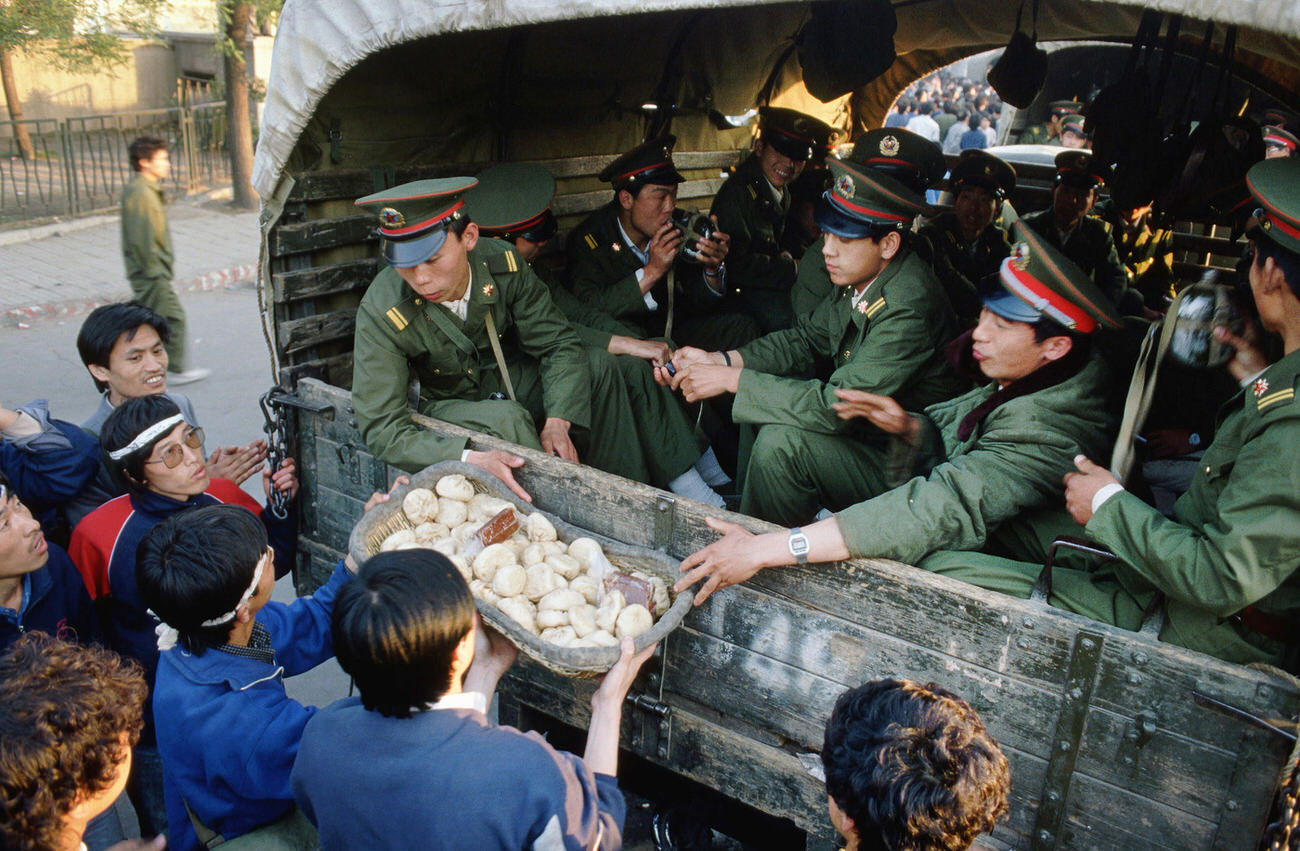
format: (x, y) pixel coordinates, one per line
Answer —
(488, 289)
(1260, 387)
(844, 187)
(616, 247)
(889, 146)
(1020, 255)
(391, 218)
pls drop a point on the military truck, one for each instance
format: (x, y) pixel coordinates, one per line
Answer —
(1115, 740)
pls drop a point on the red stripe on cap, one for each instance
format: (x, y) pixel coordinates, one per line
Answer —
(427, 223)
(1282, 225)
(893, 161)
(1277, 139)
(1275, 216)
(1097, 177)
(1083, 322)
(626, 175)
(869, 211)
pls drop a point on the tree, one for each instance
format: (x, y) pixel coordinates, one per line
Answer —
(71, 34)
(236, 22)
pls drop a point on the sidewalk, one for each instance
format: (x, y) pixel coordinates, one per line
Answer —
(69, 268)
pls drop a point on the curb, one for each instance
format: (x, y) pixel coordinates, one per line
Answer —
(232, 277)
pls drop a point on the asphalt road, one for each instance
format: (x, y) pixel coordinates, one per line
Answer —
(41, 362)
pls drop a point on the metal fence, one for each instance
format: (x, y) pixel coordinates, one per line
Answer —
(80, 164)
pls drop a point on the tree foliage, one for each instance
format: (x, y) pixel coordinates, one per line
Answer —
(76, 34)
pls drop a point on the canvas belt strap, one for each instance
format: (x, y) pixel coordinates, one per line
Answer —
(1141, 389)
(672, 287)
(207, 837)
(501, 358)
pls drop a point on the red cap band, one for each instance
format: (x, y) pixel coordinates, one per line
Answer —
(424, 225)
(1039, 296)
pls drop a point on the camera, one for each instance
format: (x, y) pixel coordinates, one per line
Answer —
(694, 226)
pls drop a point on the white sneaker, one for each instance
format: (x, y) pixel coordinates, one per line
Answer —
(189, 376)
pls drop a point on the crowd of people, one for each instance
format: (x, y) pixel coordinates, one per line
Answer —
(955, 113)
(879, 377)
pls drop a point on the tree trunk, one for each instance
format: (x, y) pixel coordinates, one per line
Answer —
(21, 136)
(239, 140)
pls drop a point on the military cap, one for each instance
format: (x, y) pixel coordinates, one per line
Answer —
(1062, 108)
(650, 162)
(413, 217)
(984, 170)
(1280, 118)
(1080, 168)
(1073, 123)
(513, 200)
(863, 200)
(1038, 280)
(1275, 184)
(1276, 137)
(800, 137)
(911, 159)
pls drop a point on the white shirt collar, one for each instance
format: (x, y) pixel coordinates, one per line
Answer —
(462, 700)
(643, 256)
(460, 306)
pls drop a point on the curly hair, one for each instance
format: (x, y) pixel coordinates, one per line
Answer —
(914, 767)
(63, 710)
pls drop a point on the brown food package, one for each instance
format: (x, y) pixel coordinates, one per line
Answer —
(634, 590)
(499, 528)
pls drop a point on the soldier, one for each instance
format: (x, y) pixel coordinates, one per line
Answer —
(1226, 562)
(964, 246)
(512, 202)
(480, 332)
(981, 458)
(1278, 143)
(626, 258)
(1145, 248)
(1050, 134)
(752, 207)
(1072, 133)
(885, 330)
(1084, 239)
(915, 162)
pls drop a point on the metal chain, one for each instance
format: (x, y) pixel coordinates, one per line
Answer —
(1286, 830)
(277, 449)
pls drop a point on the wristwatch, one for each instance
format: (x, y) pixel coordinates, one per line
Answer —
(799, 545)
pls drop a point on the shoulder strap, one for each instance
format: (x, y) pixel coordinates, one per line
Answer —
(208, 837)
(491, 326)
(1141, 389)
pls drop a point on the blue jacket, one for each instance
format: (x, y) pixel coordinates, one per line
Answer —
(55, 602)
(446, 780)
(49, 468)
(227, 732)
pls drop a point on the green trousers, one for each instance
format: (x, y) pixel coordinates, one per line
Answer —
(158, 295)
(793, 472)
(665, 437)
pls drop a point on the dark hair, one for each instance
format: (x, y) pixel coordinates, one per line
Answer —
(144, 148)
(1286, 260)
(914, 767)
(123, 425)
(456, 227)
(396, 626)
(105, 325)
(63, 711)
(195, 566)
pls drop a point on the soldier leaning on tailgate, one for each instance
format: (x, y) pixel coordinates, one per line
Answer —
(965, 246)
(1226, 562)
(478, 329)
(1083, 238)
(627, 260)
(752, 207)
(885, 329)
(1050, 133)
(978, 460)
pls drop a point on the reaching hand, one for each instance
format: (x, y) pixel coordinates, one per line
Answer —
(284, 480)
(881, 411)
(502, 465)
(726, 561)
(556, 440)
(237, 463)
(656, 351)
(704, 381)
(1249, 358)
(1082, 486)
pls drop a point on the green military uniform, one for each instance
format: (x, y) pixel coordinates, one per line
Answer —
(1147, 254)
(1035, 134)
(147, 251)
(1090, 246)
(959, 264)
(811, 285)
(602, 273)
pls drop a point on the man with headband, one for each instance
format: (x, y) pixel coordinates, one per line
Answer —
(227, 731)
(977, 461)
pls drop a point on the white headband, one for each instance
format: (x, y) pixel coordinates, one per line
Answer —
(167, 635)
(142, 439)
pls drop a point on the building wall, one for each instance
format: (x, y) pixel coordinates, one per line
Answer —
(146, 81)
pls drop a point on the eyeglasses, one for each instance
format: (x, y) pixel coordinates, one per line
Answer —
(173, 455)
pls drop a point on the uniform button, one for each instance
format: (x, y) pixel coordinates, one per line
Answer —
(846, 354)
(469, 372)
(1207, 469)
(418, 302)
(437, 372)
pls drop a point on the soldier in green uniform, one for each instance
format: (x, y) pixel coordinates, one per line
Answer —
(1083, 238)
(1145, 249)
(981, 458)
(912, 160)
(1050, 133)
(885, 329)
(512, 202)
(752, 207)
(1072, 133)
(1226, 562)
(626, 259)
(964, 246)
(472, 322)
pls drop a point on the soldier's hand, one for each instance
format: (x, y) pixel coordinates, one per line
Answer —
(881, 411)
(502, 465)
(714, 249)
(704, 381)
(1082, 486)
(556, 441)
(663, 248)
(237, 463)
(656, 351)
(1249, 358)
(730, 560)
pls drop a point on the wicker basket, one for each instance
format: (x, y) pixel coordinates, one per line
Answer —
(384, 519)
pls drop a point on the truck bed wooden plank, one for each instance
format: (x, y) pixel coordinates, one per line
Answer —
(295, 335)
(352, 276)
(302, 237)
